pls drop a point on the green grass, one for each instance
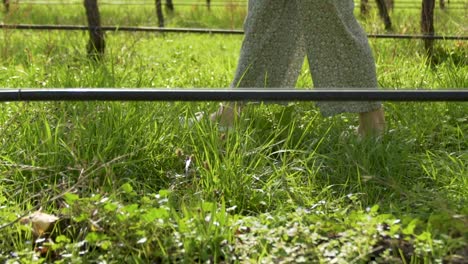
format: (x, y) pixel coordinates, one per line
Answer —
(286, 185)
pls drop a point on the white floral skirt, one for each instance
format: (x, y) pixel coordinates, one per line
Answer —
(279, 34)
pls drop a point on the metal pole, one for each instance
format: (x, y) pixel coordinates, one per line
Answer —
(98, 94)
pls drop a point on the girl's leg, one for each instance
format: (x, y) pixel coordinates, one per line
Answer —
(338, 52)
(272, 52)
(340, 57)
(273, 48)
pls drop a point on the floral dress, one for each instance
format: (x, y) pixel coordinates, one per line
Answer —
(279, 34)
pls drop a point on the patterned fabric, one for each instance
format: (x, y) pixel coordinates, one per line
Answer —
(279, 34)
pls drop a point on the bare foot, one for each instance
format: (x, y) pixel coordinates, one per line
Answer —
(225, 115)
(371, 124)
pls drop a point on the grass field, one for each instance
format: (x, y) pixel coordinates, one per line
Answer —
(138, 183)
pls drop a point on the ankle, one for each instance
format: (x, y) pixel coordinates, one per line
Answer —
(226, 114)
(371, 124)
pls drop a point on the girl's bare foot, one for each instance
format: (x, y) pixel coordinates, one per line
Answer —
(225, 115)
(371, 124)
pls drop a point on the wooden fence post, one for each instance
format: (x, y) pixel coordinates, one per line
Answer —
(383, 13)
(442, 4)
(390, 4)
(159, 13)
(364, 7)
(6, 3)
(427, 24)
(97, 43)
(169, 5)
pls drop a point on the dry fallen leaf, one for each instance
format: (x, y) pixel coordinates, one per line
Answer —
(40, 222)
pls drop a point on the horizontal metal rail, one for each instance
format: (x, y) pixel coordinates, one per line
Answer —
(145, 94)
(200, 31)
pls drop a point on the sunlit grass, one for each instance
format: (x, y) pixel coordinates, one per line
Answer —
(286, 184)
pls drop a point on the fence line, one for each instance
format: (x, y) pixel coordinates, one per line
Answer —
(452, 3)
(199, 31)
(456, 6)
(399, 5)
(103, 94)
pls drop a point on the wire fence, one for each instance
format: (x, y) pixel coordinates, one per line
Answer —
(274, 95)
(455, 4)
(398, 4)
(197, 31)
(99, 94)
(97, 37)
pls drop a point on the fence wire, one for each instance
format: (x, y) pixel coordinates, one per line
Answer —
(457, 5)
(198, 31)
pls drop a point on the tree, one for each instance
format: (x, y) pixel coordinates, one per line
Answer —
(97, 43)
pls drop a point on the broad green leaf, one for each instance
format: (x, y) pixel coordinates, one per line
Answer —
(164, 193)
(409, 229)
(155, 213)
(127, 188)
(70, 198)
